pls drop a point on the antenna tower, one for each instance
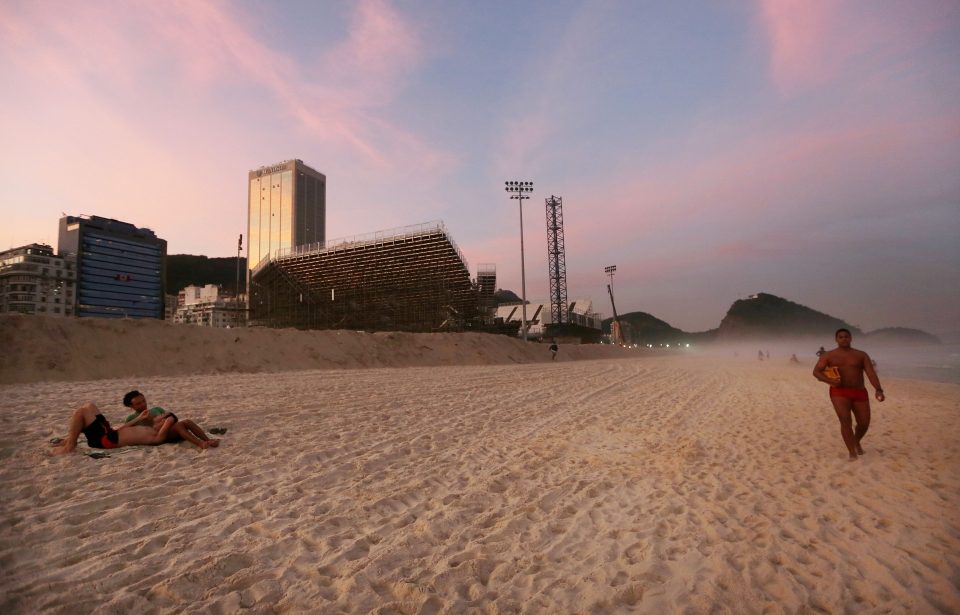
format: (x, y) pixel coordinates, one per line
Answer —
(557, 260)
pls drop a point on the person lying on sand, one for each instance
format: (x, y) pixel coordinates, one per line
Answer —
(154, 417)
(88, 420)
(843, 369)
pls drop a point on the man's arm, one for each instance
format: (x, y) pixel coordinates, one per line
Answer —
(872, 376)
(137, 419)
(818, 371)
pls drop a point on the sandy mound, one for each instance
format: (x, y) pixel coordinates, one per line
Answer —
(38, 348)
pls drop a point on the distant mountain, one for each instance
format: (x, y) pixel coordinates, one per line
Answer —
(506, 296)
(762, 316)
(643, 328)
(902, 335)
(769, 316)
(186, 269)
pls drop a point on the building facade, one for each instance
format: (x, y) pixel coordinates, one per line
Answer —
(35, 281)
(121, 269)
(287, 207)
(204, 306)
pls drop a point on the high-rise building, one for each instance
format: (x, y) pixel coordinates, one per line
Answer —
(121, 269)
(34, 281)
(287, 208)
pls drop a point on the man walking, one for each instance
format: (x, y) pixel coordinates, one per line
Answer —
(843, 369)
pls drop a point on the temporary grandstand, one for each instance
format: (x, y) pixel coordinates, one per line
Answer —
(407, 279)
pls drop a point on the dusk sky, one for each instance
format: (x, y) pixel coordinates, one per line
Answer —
(709, 149)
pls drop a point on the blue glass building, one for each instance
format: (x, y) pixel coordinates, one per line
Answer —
(121, 269)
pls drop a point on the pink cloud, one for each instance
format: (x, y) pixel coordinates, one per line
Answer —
(128, 49)
(379, 48)
(758, 197)
(814, 42)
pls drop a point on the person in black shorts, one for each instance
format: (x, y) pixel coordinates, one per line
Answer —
(88, 420)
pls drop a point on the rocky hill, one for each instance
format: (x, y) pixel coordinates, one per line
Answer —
(761, 316)
(643, 328)
(768, 316)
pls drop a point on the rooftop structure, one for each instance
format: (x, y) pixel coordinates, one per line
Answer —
(408, 279)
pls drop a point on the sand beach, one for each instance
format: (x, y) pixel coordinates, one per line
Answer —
(628, 483)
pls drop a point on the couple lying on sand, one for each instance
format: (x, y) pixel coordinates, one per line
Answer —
(144, 426)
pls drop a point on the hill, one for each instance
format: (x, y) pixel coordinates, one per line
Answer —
(502, 296)
(761, 316)
(186, 269)
(643, 328)
(768, 316)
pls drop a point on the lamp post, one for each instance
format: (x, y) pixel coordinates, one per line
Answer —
(518, 190)
(616, 335)
(610, 270)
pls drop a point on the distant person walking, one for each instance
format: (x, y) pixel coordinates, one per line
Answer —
(821, 351)
(760, 355)
(843, 369)
(553, 351)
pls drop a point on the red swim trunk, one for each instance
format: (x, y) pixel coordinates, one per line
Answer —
(854, 394)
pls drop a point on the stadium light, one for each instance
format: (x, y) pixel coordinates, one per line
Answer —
(518, 190)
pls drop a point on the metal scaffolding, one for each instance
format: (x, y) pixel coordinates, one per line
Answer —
(409, 279)
(486, 287)
(556, 261)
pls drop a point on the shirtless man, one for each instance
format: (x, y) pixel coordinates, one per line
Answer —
(847, 391)
(87, 420)
(180, 430)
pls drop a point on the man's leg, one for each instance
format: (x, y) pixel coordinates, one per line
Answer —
(201, 435)
(82, 416)
(861, 410)
(842, 406)
(191, 432)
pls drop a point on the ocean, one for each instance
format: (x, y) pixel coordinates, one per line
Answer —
(934, 363)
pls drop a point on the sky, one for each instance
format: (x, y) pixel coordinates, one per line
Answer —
(709, 149)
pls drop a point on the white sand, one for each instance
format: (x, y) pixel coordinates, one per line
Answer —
(681, 485)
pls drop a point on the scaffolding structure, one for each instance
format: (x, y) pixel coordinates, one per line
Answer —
(556, 260)
(486, 287)
(410, 279)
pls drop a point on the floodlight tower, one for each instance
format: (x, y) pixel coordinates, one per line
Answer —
(615, 333)
(556, 260)
(518, 190)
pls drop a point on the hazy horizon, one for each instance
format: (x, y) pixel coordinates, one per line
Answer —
(709, 150)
